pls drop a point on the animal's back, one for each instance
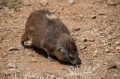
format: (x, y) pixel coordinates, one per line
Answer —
(46, 31)
(42, 29)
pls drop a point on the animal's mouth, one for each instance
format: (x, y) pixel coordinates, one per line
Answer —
(76, 62)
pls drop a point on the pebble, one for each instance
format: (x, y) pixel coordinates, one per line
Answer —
(93, 17)
(52, 77)
(12, 48)
(29, 53)
(91, 39)
(107, 50)
(112, 2)
(82, 47)
(4, 54)
(10, 71)
(118, 48)
(10, 65)
(76, 29)
(83, 39)
(71, 1)
(117, 42)
(111, 37)
(112, 66)
(34, 60)
(43, 2)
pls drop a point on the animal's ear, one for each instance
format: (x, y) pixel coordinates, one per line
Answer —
(63, 47)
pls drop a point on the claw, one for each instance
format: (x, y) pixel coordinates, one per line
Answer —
(50, 58)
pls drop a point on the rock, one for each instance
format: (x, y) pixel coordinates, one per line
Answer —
(91, 39)
(113, 2)
(10, 65)
(30, 54)
(118, 48)
(71, 1)
(82, 47)
(93, 17)
(76, 29)
(107, 50)
(34, 60)
(12, 49)
(43, 2)
(4, 54)
(52, 77)
(83, 39)
(11, 71)
(117, 43)
(112, 66)
(111, 38)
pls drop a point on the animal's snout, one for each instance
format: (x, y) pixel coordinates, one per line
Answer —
(76, 61)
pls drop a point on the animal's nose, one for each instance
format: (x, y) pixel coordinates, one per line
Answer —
(74, 62)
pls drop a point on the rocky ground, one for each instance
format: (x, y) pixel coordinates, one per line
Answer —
(94, 24)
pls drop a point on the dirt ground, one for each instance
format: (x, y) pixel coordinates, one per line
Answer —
(94, 24)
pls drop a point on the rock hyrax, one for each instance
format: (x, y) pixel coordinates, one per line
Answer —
(46, 31)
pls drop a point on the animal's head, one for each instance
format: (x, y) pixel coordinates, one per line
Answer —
(67, 51)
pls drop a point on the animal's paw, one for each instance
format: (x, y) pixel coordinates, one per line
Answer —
(50, 58)
(22, 46)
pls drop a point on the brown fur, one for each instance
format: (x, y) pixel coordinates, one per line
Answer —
(46, 31)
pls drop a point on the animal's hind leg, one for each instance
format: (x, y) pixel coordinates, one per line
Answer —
(24, 38)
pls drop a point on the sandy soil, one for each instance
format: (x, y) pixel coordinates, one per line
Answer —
(94, 24)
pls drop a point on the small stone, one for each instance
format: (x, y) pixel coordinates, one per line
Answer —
(10, 65)
(52, 77)
(112, 66)
(4, 55)
(83, 39)
(117, 42)
(93, 17)
(34, 60)
(111, 38)
(76, 29)
(91, 40)
(112, 2)
(43, 2)
(12, 48)
(71, 1)
(111, 54)
(107, 50)
(82, 47)
(118, 48)
(29, 53)
(10, 71)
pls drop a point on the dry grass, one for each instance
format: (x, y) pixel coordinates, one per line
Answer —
(23, 71)
(11, 4)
